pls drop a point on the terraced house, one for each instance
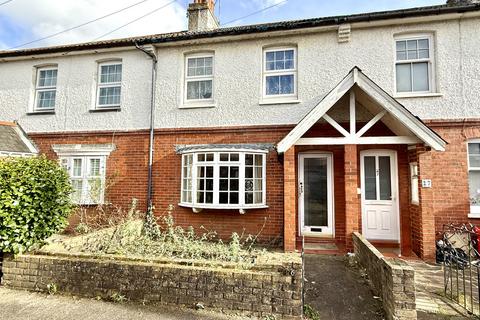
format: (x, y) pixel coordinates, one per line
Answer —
(313, 128)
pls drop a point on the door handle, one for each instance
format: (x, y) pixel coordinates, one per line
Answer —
(300, 188)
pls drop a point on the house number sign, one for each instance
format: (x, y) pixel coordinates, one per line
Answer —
(426, 183)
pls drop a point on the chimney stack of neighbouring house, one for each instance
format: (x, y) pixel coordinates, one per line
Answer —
(201, 15)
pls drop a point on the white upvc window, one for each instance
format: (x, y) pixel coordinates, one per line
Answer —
(414, 197)
(109, 84)
(280, 73)
(474, 176)
(45, 89)
(414, 65)
(199, 86)
(224, 179)
(87, 175)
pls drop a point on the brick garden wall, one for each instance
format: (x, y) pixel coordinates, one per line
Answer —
(266, 290)
(392, 279)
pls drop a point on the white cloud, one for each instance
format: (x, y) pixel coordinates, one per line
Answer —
(46, 17)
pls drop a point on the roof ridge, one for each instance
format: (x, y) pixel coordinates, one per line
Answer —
(246, 29)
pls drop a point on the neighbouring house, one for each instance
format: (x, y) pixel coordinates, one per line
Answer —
(316, 128)
(14, 142)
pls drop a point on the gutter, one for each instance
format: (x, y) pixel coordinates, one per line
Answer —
(151, 54)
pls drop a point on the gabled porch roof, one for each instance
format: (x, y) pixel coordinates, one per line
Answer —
(396, 112)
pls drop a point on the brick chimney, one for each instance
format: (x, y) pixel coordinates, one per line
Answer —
(201, 15)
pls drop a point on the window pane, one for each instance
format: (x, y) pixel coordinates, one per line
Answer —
(111, 73)
(412, 44)
(423, 54)
(474, 187)
(77, 167)
(234, 157)
(420, 76)
(46, 99)
(370, 178)
(423, 44)
(401, 45)
(234, 198)
(202, 66)
(286, 84)
(198, 90)
(77, 186)
(404, 77)
(412, 54)
(385, 178)
(280, 60)
(47, 78)
(109, 96)
(273, 85)
(249, 159)
(474, 154)
(94, 167)
(401, 55)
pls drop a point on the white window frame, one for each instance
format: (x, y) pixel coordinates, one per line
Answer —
(474, 210)
(198, 102)
(216, 163)
(267, 73)
(430, 61)
(108, 85)
(85, 199)
(39, 89)
(414, 196)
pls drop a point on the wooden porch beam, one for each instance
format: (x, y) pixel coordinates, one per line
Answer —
(353, 123)
(370, 123)
(336, 125)
(356, 140)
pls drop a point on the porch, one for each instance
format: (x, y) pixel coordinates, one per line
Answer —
(353, 164)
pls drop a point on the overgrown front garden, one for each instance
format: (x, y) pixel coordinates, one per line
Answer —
(140, 256)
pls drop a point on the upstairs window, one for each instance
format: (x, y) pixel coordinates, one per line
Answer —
(109, 85)
(280, 72)
(414, 65)
(223, 180)
(87, 175)
(474, 176)
(46, 89)
(199, 78)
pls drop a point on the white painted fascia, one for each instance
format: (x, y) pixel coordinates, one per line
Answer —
(25, 139)
(392, 106)
(83, 149)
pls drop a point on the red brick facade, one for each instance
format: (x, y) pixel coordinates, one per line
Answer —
(447, 201)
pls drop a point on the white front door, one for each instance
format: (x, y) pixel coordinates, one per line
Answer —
(315, 189)
(380, 218)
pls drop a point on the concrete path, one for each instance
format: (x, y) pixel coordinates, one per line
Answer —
(22, 305)
(338, 291)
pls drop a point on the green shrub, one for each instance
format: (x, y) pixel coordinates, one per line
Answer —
(34, 202)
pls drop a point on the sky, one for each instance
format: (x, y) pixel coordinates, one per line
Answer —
(23, 21)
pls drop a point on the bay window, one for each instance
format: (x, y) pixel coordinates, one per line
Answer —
(414, 64)
(227, 179)
(474, 176)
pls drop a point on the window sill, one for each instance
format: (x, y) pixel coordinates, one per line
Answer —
(198, 105)
(224, 207)
(32, 113)
(417, 95)
(109, 109)
(267, 102)
(474, 215)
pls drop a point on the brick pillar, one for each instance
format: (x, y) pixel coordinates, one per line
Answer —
(290, 200)
(352, 199)
(426, 219)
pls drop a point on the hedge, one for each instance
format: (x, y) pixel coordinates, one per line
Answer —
(34, 202)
